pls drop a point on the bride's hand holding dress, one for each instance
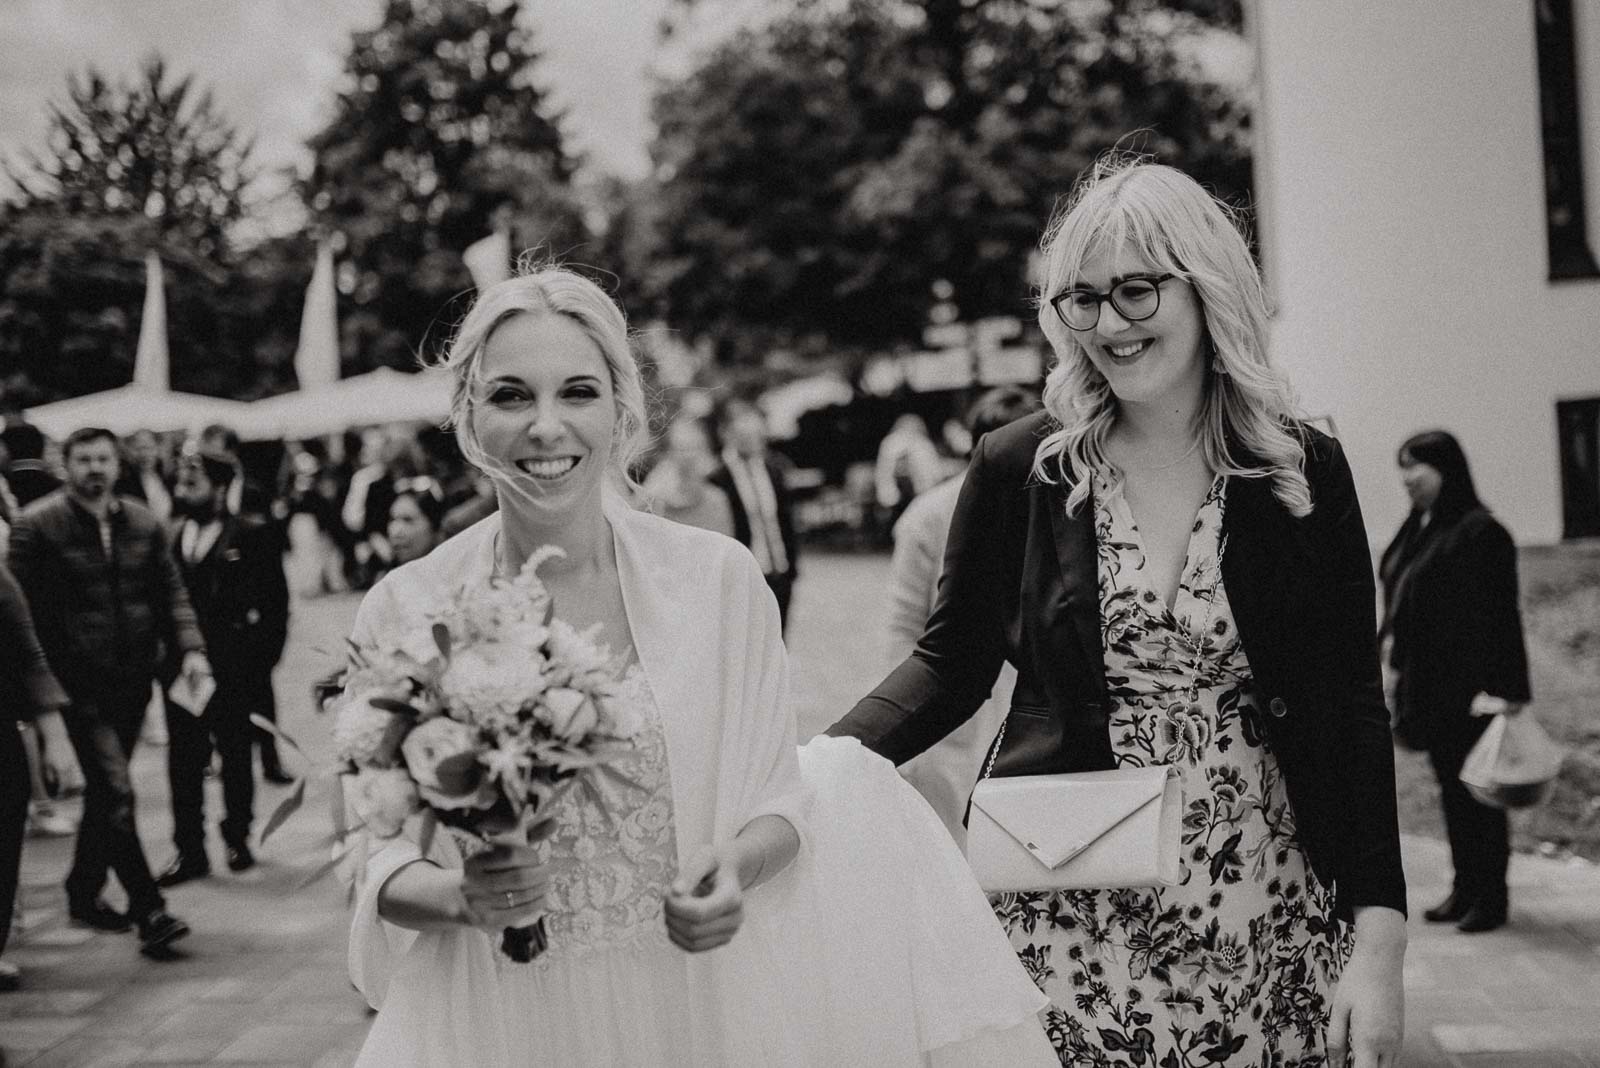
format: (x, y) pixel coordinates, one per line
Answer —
(705, 905)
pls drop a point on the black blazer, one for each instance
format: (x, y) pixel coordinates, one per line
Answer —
(778, 468)
(1020, 584)
(240, 596)
(1453, 613)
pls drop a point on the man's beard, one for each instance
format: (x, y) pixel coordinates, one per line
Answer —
(92, 487)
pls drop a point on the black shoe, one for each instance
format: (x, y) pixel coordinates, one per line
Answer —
(1480, 918)
(1449, 910)
(158, 930)
(184, 867)
(99, 915)
(277, 776)
(240, 858)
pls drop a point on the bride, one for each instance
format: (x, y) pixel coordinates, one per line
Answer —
(742, 901)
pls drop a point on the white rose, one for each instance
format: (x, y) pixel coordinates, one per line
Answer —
(366, 734)
(571, 714)
(383, 798)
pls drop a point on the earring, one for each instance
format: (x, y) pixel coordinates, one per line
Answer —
(1216, 366)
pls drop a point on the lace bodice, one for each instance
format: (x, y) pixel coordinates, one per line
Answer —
(614, 853)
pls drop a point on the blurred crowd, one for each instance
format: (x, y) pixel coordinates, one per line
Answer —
(147, 583)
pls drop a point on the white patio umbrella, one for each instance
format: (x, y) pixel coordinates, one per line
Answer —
(381, 396)
(133, 407)
(146, 403)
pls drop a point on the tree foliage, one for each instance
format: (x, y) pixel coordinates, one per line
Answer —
(822, 178)
(441, 132)
(146, 164)
(151, 147)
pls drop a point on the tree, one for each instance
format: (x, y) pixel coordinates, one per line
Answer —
(142, 165)
(825, 179)
(146, 148)
(441, 133)
(71, 297)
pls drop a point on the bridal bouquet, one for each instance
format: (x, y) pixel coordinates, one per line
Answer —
(480, 719)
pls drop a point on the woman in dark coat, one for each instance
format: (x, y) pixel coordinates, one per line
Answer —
(1453, 645)
(27, 691)
(1178, 570)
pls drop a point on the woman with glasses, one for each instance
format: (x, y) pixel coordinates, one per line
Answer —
(1177, 568)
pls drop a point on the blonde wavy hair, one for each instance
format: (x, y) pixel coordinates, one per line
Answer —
(549, 290)
(1245, 424)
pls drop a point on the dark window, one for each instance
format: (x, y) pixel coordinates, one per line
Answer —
(1578, 423)
(1566, 225)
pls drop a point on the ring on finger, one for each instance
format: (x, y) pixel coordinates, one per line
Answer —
(511, 902)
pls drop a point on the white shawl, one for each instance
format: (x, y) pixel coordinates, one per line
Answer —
(800, 982)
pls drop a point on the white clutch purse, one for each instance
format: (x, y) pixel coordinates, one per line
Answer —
(1084, 830)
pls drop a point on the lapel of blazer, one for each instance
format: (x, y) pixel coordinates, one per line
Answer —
(1079, 561)
(1261, 544)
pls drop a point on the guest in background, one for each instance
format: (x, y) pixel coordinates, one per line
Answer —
(680, 487)
(481, 503)
(908, 466)
(415, 516)
(144, 477)
(28, 474)
(1453, 646)
(233, 571)
(756, 481)
(27, 691)
(945, 774)
(107, 598)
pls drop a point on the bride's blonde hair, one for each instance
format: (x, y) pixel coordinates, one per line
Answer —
(1244, 423)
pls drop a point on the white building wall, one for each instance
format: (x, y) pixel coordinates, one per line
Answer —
(1399, 175)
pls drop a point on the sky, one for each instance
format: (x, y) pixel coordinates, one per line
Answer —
(274, 64)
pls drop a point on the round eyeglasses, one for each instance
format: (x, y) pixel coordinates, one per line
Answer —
(1135, 299)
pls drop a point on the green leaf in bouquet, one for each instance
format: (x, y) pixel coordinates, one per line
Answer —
(427, 825)
(321, 871)
(614, 772)
(286, 808)
(441, 638)
(273, 729)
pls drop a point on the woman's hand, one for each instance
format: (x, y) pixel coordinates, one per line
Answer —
(705, 905)
(505, 886)
(1368, 1021)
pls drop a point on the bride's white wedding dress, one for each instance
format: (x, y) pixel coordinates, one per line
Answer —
(874, 947)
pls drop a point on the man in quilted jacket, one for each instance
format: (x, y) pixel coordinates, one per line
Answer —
(109, 603)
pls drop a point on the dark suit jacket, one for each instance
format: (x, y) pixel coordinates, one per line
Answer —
(1020, 584)
(778, 468)
(240, 596)
(1456, 624)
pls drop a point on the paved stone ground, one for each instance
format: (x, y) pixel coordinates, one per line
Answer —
(262, 982)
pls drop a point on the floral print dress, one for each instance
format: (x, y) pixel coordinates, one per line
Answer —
(1236, 964)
